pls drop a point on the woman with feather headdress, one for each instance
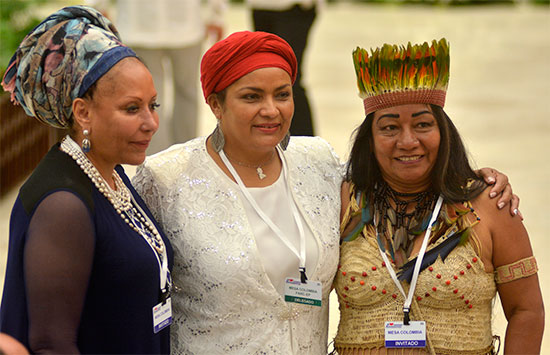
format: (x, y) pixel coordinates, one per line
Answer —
(423, 250)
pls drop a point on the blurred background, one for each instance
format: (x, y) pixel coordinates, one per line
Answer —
(498, 97)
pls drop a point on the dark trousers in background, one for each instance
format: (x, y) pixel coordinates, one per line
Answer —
(293, 26)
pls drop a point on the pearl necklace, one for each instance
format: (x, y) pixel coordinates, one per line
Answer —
(121, 198)
(258, 167)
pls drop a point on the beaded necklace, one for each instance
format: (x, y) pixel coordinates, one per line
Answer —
(399, 226)
(121, 198)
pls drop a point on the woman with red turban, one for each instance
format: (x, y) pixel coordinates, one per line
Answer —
(249, 213)
(253, 217)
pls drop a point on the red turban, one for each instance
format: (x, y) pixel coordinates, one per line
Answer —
(241, 53)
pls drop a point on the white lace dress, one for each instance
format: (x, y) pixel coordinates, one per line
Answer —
(226, 303)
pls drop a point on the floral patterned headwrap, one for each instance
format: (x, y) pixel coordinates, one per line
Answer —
(59, 60)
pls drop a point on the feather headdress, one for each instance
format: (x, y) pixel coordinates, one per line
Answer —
(396, 75)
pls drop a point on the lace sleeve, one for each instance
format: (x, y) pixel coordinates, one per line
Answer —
(58, 259)
(144, 183)
(340, 166)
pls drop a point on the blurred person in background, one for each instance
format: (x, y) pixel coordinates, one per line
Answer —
(291, 20)
(88, 268)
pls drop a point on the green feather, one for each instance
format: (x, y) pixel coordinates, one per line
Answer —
(394, 68)
(464, 235)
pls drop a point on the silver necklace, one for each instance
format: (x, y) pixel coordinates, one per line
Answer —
(121, 198)
(258, 167)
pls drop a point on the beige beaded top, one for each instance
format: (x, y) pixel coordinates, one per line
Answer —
(453, 297)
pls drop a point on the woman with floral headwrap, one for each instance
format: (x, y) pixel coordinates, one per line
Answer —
(424, 250)
(88, 267)
(253, 218)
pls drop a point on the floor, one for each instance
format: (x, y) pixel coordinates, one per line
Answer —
(499, 94)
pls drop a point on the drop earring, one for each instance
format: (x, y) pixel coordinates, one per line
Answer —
(218, 141)
(285, 141)
(86, 145)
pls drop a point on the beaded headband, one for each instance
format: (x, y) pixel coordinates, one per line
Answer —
(398, 75)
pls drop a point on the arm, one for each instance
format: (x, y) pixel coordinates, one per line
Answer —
(522, 303)
(500, 188)
(10, 345)
(215, 23)
(521, 299)
(58, 260)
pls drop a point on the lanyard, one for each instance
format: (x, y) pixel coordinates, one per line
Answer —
(302, 253)
(163, 266)
(416, 272)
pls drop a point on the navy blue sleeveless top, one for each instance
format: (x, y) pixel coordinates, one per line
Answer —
(124, 282)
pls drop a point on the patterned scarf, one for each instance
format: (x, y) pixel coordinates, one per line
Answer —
(59, 60)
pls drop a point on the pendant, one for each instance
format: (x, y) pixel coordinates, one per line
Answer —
(260, 172)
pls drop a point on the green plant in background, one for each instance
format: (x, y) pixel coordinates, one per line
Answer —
(17, 18)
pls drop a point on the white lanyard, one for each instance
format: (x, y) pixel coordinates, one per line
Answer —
(416, 272)
(163, 266)
(302, 253)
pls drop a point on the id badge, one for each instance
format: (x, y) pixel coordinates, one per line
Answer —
(309, 293)
(399, 335)
(162, 315)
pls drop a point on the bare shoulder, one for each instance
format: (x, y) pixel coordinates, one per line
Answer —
(491, 215)
(506, 234)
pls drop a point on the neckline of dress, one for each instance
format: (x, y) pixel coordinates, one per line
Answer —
(228, 179)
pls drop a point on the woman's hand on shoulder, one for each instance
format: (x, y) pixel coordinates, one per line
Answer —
(503, 229)
(501, 188)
